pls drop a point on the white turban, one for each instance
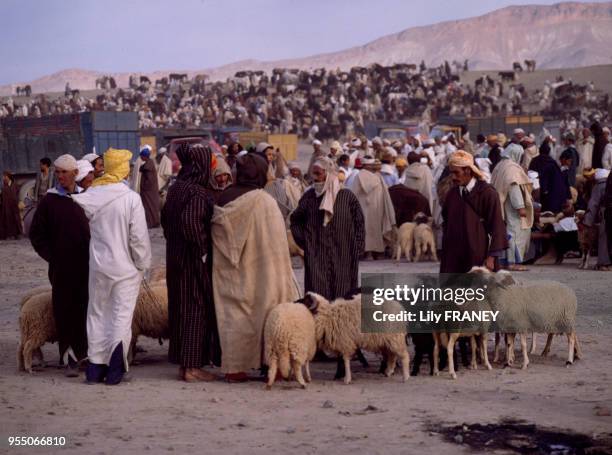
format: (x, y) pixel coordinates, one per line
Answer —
(91, 157)
(377, 140)
(84, 168)
(66, 162)
(356, 142)
(316, 142)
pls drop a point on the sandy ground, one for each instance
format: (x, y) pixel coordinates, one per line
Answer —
(157, 413)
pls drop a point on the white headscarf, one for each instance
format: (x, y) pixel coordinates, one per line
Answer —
(66, 162)
(84, 168)
(329, 189)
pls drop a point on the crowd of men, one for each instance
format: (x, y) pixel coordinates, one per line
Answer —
(323, 103)
(226, 217)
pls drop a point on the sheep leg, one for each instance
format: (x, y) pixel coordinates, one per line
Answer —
(405, 359)
(450, 348)
(497, 347)
(510, 349)
(524, 349)
(417, 252)
(473, 363)
(391, 361)
(297, 368)
(547, 347)
(436, 355)
(434, 255)
(534, 340)
(578, 353)
(347, 368)
(307, 372)
(272, 373)
(20, 363)
(28, 348)
(571, 345)
(398, 252)
(484, 338)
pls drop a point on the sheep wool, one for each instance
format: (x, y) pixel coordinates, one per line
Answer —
(289, 342)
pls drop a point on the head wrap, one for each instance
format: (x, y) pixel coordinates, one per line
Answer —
(329, 189)
(262, 147)
(518, 131)
(501, 139)
(356, 142)
(116, 167)
(461, 158)
(66, 162)
(85, 168)
(163, 150)
(197, 160)
(492, 138)
(377, 140)
(222, 168)
(145, 151)
(316, 142)
(251, 170)
(401, 162)
(336, 146)
(293, 165)
(91, 157)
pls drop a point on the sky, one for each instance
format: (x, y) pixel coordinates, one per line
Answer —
(40, 37)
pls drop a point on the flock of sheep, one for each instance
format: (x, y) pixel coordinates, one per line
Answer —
(294, 331)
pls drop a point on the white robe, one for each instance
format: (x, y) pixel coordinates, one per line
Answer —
(164, 171)
(119, 253)
(136, 174)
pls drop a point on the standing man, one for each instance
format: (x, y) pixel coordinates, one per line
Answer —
(186, 219)
(44, 180)
(10, 220)
(120, 252)
(60, 235)
(164, 172)
(328, 225)
(554, 189)
(418, 177)
(251, 268)
(514, 189)
(473, 231)
(149, 191)
(376, 205)
(570, 154)
(585, 150)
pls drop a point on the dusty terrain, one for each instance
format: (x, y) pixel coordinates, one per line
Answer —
(156, 413)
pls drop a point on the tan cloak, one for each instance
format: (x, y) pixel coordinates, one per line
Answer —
(377, 208)
(251, 274)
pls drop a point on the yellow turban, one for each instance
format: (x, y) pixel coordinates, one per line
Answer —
(463, 159)
(401, 162)
(116, 167)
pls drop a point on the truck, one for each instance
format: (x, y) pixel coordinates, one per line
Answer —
(25, 141)
(495, 124)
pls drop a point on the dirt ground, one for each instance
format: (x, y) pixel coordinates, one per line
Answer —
(156, 413)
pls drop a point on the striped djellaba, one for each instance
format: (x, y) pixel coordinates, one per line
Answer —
(194, 338)
(331, 253)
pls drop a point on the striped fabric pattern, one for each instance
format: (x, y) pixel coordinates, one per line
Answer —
(331, 253)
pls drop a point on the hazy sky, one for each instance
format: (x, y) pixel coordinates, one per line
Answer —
(39, 37)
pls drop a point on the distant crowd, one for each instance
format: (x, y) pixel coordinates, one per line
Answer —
(322, 103)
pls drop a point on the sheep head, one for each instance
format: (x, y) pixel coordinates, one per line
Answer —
(313, 302)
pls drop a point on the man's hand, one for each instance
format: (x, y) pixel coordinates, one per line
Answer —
(522, 212)
(490, 263)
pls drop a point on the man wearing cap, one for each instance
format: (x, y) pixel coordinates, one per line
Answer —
(149, 191)
(120, 252)
(135, 175)
(316, 154)
(474, 233)
(85, 177)
(60, 235)
(97, 162)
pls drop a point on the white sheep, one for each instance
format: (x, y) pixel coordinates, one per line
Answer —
(289, 342)
(424, 242)
(405, 241)
(37, 324)
(338, 330)
(534, 306)
(37, 327)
